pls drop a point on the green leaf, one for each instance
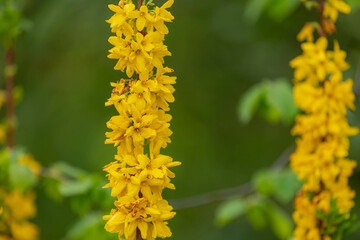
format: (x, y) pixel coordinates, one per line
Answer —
(282, 184)
(264, 182)
(280, 96)
(9, 25)
(286, 185)
(229, 211)
(21, 177)
(70, 188)
(4, 165)
(280, 9)
(280, 222)
(68, 170)
(254, 9)
(250, 102)
(90, 227)
(51, 188)
(273, 100)
(257, 216)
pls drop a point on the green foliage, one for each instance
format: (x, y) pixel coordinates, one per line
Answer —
(280, 223)
(11, 22)
(276, 9)
(90, 227)
(230, 210)
(4, 166)
(82, 189)
(21, 177)
(260, 211)
(338, 224)
(271, 99)
(256, 215)
(281, 184)
(13, 174)
(263, 212)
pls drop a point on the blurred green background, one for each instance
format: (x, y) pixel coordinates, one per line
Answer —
(220, 49)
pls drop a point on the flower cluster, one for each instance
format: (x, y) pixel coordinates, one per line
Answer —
(141, 127)
(320, 159)
(17, 206)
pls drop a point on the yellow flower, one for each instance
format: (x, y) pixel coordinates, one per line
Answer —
(141, 17)
(161, 16)
(306, 33)
(121, 15)
(16, 210)
(24, 231)
(132, 214)
(333, 7)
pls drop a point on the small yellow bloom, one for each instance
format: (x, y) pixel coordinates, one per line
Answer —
(306, 33)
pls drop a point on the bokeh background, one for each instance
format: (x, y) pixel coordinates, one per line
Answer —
(220, 49)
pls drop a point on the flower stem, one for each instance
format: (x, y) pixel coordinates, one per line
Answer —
(139, 4)
(10, 76)
(321, 31)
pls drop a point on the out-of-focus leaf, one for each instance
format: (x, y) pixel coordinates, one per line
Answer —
(276, 9)
(21, 177)
(264, 182)
(280, 222)
(76, 187)
(9, 25)
(229, 211)
(4, 165)
(280, 9)
(287, 185)
(273, 100)
(250, 101)
(51, 188)
(254, 8)
(256, 214)
(68, 170)
(90, 227)
(282, 184)
(18, 94)
(279, 95)
(81, 204)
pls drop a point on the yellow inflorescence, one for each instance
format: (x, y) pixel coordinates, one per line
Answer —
(17, 207)
(320, 159)
(141, 127)
(16, 210)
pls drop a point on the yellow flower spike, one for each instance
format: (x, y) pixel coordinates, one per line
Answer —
(320, 159)
(140, 129)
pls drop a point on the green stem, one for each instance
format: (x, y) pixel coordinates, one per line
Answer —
(10, 77)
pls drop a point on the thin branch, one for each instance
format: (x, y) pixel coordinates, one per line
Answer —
(139, 4)
(10, 75)
(224, 194)
(322, 31)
